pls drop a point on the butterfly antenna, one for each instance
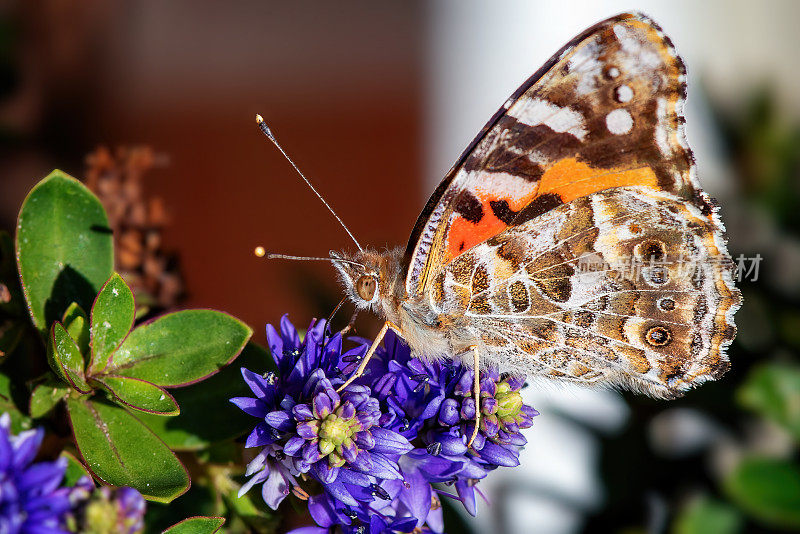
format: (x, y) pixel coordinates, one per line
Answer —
(261, 253)
(265, 129)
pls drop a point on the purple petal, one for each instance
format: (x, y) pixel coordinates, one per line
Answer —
(250, 406)
(293, 445)
(311, 452)
(515, 382)
(280, 419)
(466, 493)
(259, 385)
(308, 430)
(338, 491)
(432, 407)
(275, 343)
(324, 473)
(417, 495)
(353, 477)
(275, 489)
(348, 410)
(365, 440)
(452, 445)
(488, 405)
(384, 468)
(499, 455)
(322, 512)
(289, 332)
(448, 413)
(377, 525)
(260, 436)
(349, 451)
(26, 446)
(302, 412)
(322, 406)
(388, 442)
(468, 409)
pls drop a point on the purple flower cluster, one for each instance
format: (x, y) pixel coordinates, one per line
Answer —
(103, 509)
(377, 446)
(31, 496)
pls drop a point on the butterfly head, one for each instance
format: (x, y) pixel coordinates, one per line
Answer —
(364, 276)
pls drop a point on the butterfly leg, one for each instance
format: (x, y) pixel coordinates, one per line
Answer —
(358, 372)
(351, 325)
(476, 391)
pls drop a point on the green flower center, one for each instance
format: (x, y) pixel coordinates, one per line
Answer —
(336, 432)
(509, 402)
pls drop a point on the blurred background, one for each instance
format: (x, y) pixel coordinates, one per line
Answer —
(152, 104)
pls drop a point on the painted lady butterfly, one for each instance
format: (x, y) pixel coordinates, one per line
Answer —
(519, 258)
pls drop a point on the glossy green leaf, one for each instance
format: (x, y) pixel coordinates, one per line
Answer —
(768, 489)
(180, 348)
(139, 394)
(77, 324)
(112, 318)
(121, 451)
(197, 525)
(64, 247)
(207, 416)
(773, 390)
(75, 469)
(45, 397)
(67, 359)
(707, 516)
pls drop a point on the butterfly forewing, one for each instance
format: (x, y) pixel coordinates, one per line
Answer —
(604, 112)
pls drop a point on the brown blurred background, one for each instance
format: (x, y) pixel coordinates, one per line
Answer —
(339, 84)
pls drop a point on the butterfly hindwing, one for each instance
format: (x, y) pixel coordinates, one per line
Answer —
(600, 289)
(603, 112)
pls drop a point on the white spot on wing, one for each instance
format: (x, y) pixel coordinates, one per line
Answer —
(619, 122)
(623, 93)
(662, 135)
(504, 184)
(535, 111)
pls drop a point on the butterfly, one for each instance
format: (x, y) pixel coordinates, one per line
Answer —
(571, 239)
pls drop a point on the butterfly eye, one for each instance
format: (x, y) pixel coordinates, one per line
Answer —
(365, 287)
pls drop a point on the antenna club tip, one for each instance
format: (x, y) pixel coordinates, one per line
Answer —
(259, 119)
(260, 252)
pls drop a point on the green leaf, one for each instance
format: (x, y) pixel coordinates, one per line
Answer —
(112, 318)
(254, 516)
(121, 451)
(66, 358)
(768, 489)
(180, 348)
(45, 397)
(8, 388)
(139, 394)
(707, 516)
(75, 470)
(206, 415)
(773, 390)
(77, 325)
(64, 248)
(197, 525)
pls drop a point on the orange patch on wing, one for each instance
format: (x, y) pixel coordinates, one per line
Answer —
(464, 235)
(568, 178)
(571, 179)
